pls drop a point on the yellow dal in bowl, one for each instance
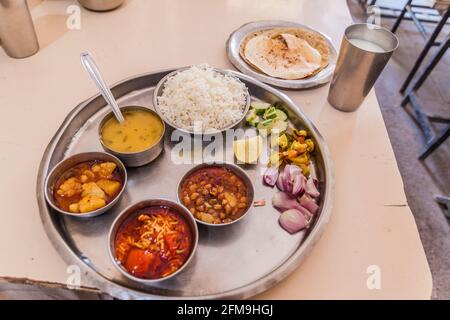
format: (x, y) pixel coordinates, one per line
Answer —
(139, 131)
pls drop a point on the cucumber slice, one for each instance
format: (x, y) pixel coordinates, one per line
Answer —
(251, 114)
(263, 132)
(265, 126)
(270, 113)
(260, 107)
(252, 118)
(281, 115)
(279, 125)
(254, 121)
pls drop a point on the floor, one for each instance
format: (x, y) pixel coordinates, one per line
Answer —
(422, 180)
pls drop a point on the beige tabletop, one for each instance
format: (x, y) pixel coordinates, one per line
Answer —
(371, 229)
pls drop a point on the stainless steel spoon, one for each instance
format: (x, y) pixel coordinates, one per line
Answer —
(91, 68)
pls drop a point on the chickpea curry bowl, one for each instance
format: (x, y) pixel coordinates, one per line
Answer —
(216, 194)
(153, 240)
(86, 184)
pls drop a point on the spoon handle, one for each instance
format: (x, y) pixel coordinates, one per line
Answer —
(91, 68)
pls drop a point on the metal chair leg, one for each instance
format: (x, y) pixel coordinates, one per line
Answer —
(438, 118)
(437, 57)
(425, 50)
(417, 22)
(435, 142)
(444, 201)
(400, 17)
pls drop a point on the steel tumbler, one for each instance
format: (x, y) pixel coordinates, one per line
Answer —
(365, 51)
(17, 34)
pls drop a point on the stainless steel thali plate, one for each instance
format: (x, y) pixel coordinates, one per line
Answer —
(237, 261)
(234, 43)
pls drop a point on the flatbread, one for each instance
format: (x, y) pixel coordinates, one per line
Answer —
(314, 39)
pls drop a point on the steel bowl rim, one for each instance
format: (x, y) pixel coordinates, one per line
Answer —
(103, 122)
(234, 168)
(115, 225)
(94, 213)
(160, 86)
(100, 7)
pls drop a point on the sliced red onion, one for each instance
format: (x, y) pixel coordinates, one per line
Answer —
(280, 181)
(285, 180)
(292, 181)
(298, 185)
(292, 221)
(311, 188)
(308, 215)
(288, 175)
(282, 201)
(316, 183)
(270, 176)
(308, 203)
(291, 171)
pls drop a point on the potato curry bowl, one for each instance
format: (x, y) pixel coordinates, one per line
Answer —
(152, 240)
(86, 184)
(216, 194)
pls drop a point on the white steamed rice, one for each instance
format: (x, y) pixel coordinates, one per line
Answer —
(202, 94)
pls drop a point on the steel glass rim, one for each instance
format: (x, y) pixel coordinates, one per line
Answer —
(375, 27)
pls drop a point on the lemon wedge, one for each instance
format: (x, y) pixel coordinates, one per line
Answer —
(248, 150)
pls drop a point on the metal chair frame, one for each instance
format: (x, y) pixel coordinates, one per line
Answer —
(424, 120)
(434, 140)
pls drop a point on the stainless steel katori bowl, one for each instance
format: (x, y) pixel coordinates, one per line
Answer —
(235, 169)
(140, 158)
(159, 90)
(101, 5)
(134, 209)
(61, 168)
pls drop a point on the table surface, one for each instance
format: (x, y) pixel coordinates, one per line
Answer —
(371, 224)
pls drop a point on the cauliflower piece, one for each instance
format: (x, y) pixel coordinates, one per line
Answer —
(91, 203)
(74, 208)
(281, 141)
(70, 187)
(301, 159)
(104, 169)
(275, 159)
(109, 186)
(92, 189)
(300, 147)
(310, 145)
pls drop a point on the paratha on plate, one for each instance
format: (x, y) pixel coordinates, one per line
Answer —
(286, 53)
